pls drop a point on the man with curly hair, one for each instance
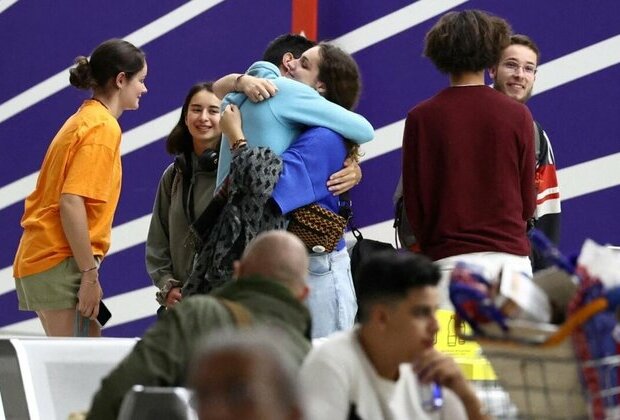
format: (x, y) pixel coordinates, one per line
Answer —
(468, 155)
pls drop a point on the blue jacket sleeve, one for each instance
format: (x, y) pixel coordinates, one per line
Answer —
(261, 69)
(308, 163)
(304, 105)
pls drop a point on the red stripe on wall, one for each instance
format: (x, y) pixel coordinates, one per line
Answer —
(304, 19)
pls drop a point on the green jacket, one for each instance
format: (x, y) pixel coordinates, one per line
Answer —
(162, 356)
(169, 254)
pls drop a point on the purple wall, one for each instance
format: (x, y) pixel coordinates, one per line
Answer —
(39, 40)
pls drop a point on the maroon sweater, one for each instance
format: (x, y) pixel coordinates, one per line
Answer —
(468, 172)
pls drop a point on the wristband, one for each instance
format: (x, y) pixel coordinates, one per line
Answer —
(235, 86)
(89, 269)
(238, 143)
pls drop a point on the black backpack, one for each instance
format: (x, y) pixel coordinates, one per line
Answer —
(362, 250)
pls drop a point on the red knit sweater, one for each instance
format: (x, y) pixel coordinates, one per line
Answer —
(468, 172)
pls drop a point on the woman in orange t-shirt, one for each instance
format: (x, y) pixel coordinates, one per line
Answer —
(67, 220)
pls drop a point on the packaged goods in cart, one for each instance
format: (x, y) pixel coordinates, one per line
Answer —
(493, 305)
(519, 297)
(602, 262)
(570, 370)
(596, 340)
(513, 295)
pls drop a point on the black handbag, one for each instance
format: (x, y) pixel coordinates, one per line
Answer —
(363, 250)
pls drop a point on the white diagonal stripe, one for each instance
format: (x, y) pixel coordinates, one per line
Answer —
(5, 4)
(6, 280)
(387, 139)
(149, 132)
(589, 177)
(577, 64)
(394, 23)
(17, 190)
(142, 36)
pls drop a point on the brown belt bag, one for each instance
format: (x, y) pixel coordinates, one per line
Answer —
(319, 228)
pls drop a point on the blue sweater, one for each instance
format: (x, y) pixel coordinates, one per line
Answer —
(276, 122)
(308, 162)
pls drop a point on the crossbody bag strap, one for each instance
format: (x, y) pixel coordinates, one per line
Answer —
(345, 208)
(184, 164)
(239, 313)
(539, 146)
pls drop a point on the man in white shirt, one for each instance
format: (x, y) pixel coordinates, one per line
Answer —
(383, 368)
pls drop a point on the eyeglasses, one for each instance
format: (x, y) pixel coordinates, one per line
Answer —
(514, 67)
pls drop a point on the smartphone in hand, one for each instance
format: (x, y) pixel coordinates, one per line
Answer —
(104, 314)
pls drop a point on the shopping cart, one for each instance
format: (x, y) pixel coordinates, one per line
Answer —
(543, 381)
(548, 371)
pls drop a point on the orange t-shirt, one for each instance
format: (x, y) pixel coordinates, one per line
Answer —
(83, 159)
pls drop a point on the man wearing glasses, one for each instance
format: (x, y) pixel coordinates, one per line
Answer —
(515, 75)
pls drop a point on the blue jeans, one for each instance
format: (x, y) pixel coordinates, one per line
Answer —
(331, 301)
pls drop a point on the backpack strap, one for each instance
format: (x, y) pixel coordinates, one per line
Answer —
(239, 313)
(403, 236)
(539, 146)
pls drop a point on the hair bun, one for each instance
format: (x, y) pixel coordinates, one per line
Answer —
(81, 76)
